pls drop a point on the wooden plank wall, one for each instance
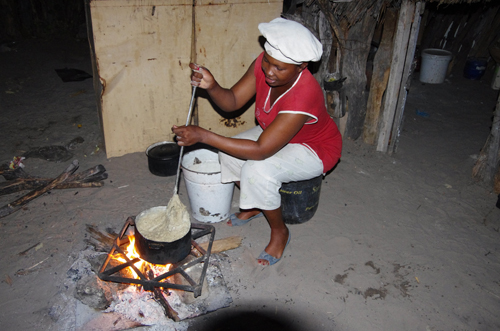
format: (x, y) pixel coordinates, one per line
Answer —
(227, 42)
(142, 51)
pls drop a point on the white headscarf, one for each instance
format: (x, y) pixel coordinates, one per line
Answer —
(290, 42)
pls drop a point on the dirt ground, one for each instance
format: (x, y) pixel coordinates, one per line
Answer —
(402, 242)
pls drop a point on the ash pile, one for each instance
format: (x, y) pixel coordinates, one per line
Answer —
(92, 304)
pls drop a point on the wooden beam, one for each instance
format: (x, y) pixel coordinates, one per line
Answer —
(397, 65)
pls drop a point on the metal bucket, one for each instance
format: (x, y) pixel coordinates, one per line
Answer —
(209, 198)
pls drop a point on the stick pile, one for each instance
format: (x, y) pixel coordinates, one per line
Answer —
(18, 180)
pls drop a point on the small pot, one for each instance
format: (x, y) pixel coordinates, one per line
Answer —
(163, 158)
(158, 252)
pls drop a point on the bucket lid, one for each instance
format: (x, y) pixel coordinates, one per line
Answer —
(164, 150)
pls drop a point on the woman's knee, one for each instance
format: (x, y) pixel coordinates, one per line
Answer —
(261, 170)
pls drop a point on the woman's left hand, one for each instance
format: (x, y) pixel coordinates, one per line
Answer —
(188, 135)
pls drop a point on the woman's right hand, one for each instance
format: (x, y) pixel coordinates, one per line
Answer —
(188, 135)
(201, 77)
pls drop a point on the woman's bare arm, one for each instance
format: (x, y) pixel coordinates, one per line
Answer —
(227, 99)
(274, 137)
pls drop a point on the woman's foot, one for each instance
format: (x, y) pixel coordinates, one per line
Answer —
(276, 247)
(243, 217)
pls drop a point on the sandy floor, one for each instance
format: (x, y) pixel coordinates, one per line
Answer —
(402, 242)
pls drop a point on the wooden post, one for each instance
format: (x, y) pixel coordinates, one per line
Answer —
(353, 66)
(406, 81)
(378, 85)
(397, 65)
(489, 159)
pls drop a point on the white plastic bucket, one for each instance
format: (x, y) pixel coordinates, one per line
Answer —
(209, 198)
(434, 65)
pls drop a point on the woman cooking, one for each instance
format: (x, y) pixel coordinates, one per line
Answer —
(295, 140)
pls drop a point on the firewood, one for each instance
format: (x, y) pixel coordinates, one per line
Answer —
(79, 185)
(32, 185)
(92, 177)
(169, 311)
(160, 298)
(16, 205)
(101, 241)
(89, 174)
(10, 174)
(94, 172)
(225, 244)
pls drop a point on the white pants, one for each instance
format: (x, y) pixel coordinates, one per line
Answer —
(260, 181)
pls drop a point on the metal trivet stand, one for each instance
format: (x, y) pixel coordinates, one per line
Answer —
(149, 282)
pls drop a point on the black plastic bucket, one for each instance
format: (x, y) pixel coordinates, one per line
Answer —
(300, 200)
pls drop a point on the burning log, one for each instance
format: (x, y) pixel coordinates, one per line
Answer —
(160, 298)
(16, 205)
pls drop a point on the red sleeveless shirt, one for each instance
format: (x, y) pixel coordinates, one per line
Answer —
(321, 134)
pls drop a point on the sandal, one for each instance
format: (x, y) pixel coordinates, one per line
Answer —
(235, 221)
(271, 259)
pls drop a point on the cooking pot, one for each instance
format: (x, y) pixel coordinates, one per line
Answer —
(163, 158)
(158, 252)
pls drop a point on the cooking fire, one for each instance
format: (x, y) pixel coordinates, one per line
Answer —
(124, 264)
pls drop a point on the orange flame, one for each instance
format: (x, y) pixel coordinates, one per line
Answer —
(132, 253)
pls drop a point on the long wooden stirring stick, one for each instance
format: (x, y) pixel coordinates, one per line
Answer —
(176, 188)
